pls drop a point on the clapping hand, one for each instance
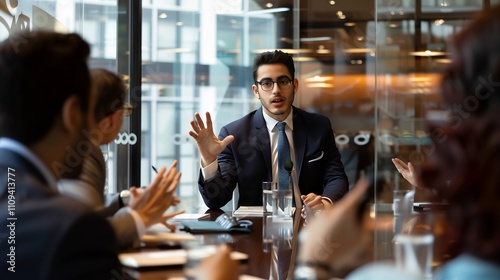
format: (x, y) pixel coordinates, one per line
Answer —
(335, 238)
(152, 202)
(208, 143)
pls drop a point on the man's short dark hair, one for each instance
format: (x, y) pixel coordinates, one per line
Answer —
(39, 71)
(110, 92)
(276, 57)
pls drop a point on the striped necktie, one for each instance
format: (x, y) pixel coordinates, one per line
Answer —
(283, 155)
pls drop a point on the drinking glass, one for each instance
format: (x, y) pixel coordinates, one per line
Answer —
(267, 196)
(413, 246)
(402, 207)
(282, 202)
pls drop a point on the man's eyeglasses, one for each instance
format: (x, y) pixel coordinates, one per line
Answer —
(127, 109)
(268, 84)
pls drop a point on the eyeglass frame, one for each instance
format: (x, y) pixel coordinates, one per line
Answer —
(290, 82)
(127, 109)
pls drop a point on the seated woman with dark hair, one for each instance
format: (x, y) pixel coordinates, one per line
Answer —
(462, 170)
(468, 155)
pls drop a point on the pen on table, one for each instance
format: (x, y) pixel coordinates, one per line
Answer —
(154, 169)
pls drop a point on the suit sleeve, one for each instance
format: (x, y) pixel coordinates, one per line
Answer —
(125, 228)
(218, 191)
(88, 250)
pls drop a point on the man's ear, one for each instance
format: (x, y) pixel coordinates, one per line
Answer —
(106, 124)
(72, 116)
(112, 123)
(255, 90)
(117, 119)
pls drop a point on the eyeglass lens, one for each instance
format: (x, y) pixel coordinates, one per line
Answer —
(268, 84)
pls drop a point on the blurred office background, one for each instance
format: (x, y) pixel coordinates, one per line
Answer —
(372, 67)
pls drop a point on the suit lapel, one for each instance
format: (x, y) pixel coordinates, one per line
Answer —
(299, 140)
(263, 140)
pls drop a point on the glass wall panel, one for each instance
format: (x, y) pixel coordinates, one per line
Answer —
(196, 58)
(411, 53)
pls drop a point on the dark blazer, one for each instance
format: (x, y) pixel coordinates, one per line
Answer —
(91, 191)
(55, 237)
(246, 162)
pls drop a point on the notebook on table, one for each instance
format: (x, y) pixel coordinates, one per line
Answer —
(164, 258)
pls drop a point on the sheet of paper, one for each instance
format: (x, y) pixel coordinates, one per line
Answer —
(249, 211)
(191, 216)
(163, 258)
(159, 236)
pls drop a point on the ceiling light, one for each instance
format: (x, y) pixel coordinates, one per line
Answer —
(358, 50)
(179, 23)
(427, 53)
(303, 59)
(320, 85)
(332, 2)
(350, 24)
(162, 15)
(318, 78)
(443, 60)
(315, 39)
(269, 5)
(438, 22)
(268, 11)
(323, 51)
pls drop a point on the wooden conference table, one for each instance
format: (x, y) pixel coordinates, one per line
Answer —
(258, 263)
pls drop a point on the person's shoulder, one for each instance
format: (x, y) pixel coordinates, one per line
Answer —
(67, 210)
(468, 267)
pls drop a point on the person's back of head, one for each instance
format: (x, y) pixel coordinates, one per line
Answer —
(110, 92)
(471, 83)
(44, 104)
(462, 167)
(38, 72)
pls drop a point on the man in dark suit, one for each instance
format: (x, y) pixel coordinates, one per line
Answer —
(245, 153)
(44, 110)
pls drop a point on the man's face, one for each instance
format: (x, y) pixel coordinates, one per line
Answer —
(276, 102)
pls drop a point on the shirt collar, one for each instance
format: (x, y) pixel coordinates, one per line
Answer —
(17, 147)
(271, 123)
